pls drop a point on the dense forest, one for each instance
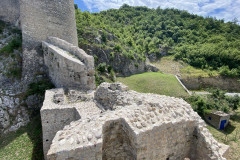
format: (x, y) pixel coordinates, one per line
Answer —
(139, 32)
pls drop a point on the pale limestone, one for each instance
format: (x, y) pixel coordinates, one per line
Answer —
(67, 65)
(131, 125)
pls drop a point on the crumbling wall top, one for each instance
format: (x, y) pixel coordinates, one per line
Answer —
(146, 118)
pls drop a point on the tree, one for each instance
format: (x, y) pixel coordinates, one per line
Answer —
(75, 6)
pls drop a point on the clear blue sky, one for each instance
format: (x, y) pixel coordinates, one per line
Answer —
(221, 9)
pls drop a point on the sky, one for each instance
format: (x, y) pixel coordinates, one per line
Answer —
(221, 9)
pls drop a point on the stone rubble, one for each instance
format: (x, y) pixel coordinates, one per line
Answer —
(128, 125)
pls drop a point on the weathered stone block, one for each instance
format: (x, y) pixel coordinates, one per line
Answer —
(66, 67)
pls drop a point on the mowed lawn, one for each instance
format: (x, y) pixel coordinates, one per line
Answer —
(24, 144)
(152, 82)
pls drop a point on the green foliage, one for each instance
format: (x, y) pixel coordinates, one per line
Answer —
(102, 67)
(75, 6)
(117, 48)
(225, 71)
(2, 26)
(234, 102)
(104, 37)
(38, 88)
(14, 44)
(14, 72)
(215, 101)
(205, 43)
(98, 79)
(199, 104)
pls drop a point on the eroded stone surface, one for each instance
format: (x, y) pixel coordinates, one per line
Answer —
(68, 66)
(131, 125)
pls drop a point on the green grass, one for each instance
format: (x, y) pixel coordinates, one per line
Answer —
(157, 83)
(24, 144)
(169, 65)
(230, 136)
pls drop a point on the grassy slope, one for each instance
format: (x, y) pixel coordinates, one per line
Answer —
(230, 136)
(25, 144)
(155, 83)
(168, 65)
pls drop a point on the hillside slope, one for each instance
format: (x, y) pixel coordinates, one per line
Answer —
(139, 32)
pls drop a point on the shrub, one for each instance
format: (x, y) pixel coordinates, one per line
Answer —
(225, 71)
(14, 44)
(198, 104)
(98, 79)
(2, 26)
(102, 67)
(234, 102)
(14, 72)
(38, 88)
(104, 37)
(117, 48)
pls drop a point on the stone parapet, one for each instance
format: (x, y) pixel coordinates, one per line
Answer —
(65, 68)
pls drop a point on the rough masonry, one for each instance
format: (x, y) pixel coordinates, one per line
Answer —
(114, 123)
(68, 66)
(39, 20)
(10, 11)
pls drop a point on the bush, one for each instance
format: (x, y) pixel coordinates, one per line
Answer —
(14, 44)
(98, 79)
(14, 72)
(117, 48)
(2, 26)
(198, 104)
(102, 67)
(216, 101)
(38, 88)
(234, 102)
(225, 71)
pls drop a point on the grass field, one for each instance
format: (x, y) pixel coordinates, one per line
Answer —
(168, 65)
(158, 83)
(25, 144)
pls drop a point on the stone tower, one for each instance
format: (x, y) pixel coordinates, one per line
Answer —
(39, 20)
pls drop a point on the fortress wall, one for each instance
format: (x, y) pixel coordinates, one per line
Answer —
(118, 140)
(9, 11)
(67, 70)
(169, 141)
(55, 117)
(40, 19)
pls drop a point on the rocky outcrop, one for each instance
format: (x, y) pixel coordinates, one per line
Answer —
(122, 65)
(13, 112)
(131, 125)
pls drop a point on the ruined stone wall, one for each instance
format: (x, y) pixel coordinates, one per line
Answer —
(141, 126)
(68, 66)
(55, 117)
(40, 19)
(118, 141)
(171, 141)
(59, 109)
(9, 11)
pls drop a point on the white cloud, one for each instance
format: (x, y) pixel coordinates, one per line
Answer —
(221, 9)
